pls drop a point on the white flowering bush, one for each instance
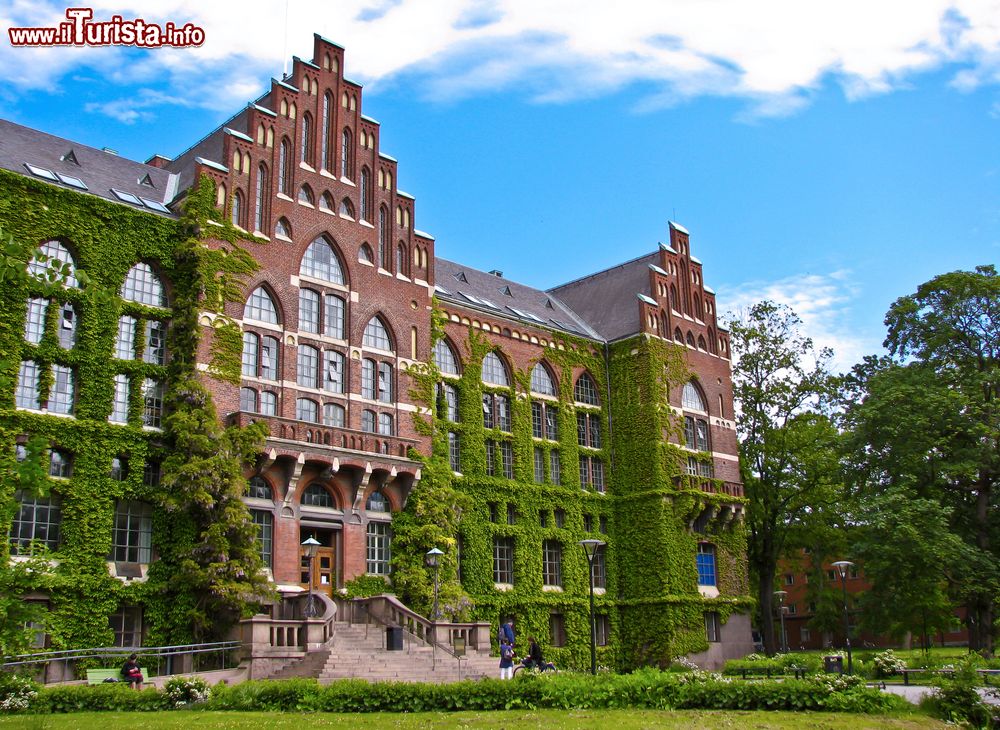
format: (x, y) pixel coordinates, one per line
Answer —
(182, 691)
(837, 682)
(16, 692)
(682, 662)
(699, 676)
(887, 664)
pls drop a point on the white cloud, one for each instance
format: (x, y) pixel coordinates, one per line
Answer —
(823, 303)
(772, 53)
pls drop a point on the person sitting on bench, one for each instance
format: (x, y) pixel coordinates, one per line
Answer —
(131, 672)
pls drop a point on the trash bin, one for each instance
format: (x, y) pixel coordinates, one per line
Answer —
(833, 664)
(394, 638)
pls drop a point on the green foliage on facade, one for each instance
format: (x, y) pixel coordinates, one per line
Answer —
(648, 506)
(106, 240)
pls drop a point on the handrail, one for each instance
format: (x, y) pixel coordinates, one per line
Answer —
(388, 610)
(102, 651)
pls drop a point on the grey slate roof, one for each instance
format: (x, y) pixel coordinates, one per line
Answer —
(100, 171)
(607, 299)
(488, 294)
(208, 147)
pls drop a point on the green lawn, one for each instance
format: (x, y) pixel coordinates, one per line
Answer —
(548, 719)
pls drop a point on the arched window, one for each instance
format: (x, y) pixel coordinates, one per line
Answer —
(401, 259)
(143, 286)
(283, 228)
(320, 261)
(307, 410)
(52, 256)
(541, 380)
(258, 488)
(690, 339)
(268, 402)
(673, 299)
(260, 306)
(325, 139)
(283, 166)
(345, 154)
(347, 208)
(258, 219)
(307, 138)
(383, 237)
(691, 398)
(377, 335)
(306, 195)
(248, 399)
(585, 391)
(365, 253)
(701, 343)
(368, 421)
(309, 310)
(237, 209)
(334, 415)
(444, 357)
(316, 495)
(494, 371)
(326, 202)
(377, 502)
(364, 196)
(678, 335)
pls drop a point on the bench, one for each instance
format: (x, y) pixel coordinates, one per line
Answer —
(99, 676)
(907, 672)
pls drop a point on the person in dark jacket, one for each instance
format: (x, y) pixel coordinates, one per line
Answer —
(131, 672)
(534, 658)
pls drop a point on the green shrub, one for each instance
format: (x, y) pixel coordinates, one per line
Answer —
(365, 586)
(115, 697)
(887, 664)
(17, 693)
(956, 698)
(182, 691)
(778, 664)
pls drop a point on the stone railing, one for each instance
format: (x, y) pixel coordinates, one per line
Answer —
(270, 643)
(290, 429)
(387, 610)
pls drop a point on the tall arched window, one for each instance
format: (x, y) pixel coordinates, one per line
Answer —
(364, 196)
(143, 286)
(444, 357)
(260, 306)
(237, 209)
(541, 380)
(377, 335)
(53, 256)
(494, 371)
(585, 391)
(345, 154)
(258, 217)
(283, 166)
(383, 237)
(325, 140)
(307, 138)
(320, 261)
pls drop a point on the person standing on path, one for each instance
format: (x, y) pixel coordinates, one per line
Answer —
(507, 633)
(506, 660)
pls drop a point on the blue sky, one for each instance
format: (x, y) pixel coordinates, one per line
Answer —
(831, 156)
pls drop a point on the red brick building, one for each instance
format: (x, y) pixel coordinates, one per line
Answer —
(341, 310)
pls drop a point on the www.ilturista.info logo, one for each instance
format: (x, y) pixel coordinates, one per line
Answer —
(82, 30)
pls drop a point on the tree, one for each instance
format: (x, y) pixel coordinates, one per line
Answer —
(926, 426)
(788, 450)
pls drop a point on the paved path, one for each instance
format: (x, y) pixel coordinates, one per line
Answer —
(913, 693)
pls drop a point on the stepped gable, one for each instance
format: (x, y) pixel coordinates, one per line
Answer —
(493, 294)
(84, 169)
(606, 300)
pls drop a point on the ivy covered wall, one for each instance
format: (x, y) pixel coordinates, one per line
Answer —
(652, 603)
(106, 240)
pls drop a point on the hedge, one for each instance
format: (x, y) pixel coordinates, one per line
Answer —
(644, 689)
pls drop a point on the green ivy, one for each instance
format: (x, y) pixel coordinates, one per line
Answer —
(106, 240)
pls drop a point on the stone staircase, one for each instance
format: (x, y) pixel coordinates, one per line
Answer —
(358, 651)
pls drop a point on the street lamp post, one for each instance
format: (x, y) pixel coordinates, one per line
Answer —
(842, 567)
(432, 557)
(590, 548)
(781, 611)
(310, 546)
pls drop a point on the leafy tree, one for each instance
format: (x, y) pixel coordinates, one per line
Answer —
(788, 451)
(211, 566)
(925, 425)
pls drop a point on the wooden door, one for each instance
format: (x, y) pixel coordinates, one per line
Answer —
(324, 570)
